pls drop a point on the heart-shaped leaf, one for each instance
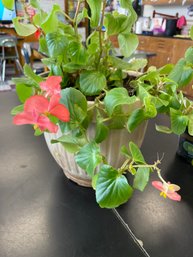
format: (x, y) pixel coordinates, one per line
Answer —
(76, 103)
(179, 122)
(136, 118)
(136, 153)
(112, 188)
(23, 92)
(89, 157)
(128, 44)
(102, 131)
(95, 7)
(23, 29)
(9, 4)
(117, 97)
(141, 178)
(50, 24)
(92, 82)
(56, 44)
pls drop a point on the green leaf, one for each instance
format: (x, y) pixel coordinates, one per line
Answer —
(141, 178)
(131, 12)
(56, 44)
(181, 74)
(82, 15)
(43, 46)
(190, 125)
(38, 132)
(136, 153)
(135, 119)
(26, 81)
(116, 97)
(191, 32)
(23, 29)
(123, 64)
(142, 93)
(76, 103)
(166, 69)
(23, 92)
(128, 43)
(72, 67)
(125, 151)
(70, 143)
(179, 122)
(95, 7)
(35, 4)
(112, 188)
(189, 55)
(116, 23)
(39, 17)
(92, 82)
(102, 132)
(94, 181)
(30, 74)
(9, 4)
(89, 157)
(150, 109)
(137, 64)
(188, 147)
(17, 109)
(77, 52)
(163, 129)
(125, 3)
(51, 23)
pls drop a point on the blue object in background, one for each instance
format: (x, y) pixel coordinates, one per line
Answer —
(6, 15)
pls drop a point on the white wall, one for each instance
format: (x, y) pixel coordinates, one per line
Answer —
(170, 10)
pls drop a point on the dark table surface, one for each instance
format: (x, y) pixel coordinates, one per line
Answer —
(42, 214)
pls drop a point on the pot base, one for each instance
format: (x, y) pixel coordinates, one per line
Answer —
(78, 180)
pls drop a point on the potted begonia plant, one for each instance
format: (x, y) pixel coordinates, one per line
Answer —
(90, 94)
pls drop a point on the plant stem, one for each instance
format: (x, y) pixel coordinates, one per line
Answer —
(189, 110)
(67, 16)
(75, 17)
(100, 31)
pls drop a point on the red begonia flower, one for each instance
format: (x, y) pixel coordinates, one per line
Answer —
(37, 34)
(51, 85)
(167, 190)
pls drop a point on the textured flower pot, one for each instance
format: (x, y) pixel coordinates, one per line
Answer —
(110, 148)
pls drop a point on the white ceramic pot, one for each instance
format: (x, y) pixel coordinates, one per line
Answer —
(110, 148)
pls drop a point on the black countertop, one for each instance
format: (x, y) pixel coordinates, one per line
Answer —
(43, 214)
(164, 226)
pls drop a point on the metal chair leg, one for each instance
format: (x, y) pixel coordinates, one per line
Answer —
(19, 65)
(3, 70)
(0, 70)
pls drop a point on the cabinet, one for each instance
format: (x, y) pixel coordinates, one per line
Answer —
(161, 46)
(165, 2)
(168, 50)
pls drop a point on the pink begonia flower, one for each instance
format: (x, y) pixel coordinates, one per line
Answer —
(41, 122)
(167, 190)
(57, 109)
(36, 109)
(51, 85)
